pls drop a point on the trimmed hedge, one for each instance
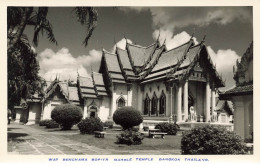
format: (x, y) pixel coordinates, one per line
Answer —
(211, 139)
(109, 124)
(89, 125)
(44, 122)
(127, 117)
(67, 115)
(169, 128)
(49, 123)
(52, 124)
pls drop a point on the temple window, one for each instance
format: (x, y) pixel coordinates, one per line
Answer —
(147, 105)
(154, 105)
(162, 104)
(120, 102)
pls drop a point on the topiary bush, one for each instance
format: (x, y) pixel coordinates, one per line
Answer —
(109, 124)
(67, 115)
(169, 128)
(130, 137)
(52, 124)
(211, 139)
(89, 125)
(127, 117)
(44, 122)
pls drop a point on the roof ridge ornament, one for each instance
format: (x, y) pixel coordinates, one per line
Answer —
(203, 40)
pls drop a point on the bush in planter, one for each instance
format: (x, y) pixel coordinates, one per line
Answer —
(89, 125)
(109, 124)
(67, 115)
(127, 117)
(130, 137)
(211, 139)
(169, 128)
(52, 124)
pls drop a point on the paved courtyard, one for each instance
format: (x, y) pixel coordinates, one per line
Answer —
(23, 139)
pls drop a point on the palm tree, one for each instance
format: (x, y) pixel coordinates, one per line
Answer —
(20, 17)
(23, 68)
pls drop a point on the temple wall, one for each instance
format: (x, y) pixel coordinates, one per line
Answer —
(157, 88)
(34, 113)
(49, 105)
(136, 97)
(119, 90)
(197, 90)
(104, 109)
(243, 115)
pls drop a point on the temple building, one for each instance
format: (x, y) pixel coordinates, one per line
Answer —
(242, 95)
(179, 85)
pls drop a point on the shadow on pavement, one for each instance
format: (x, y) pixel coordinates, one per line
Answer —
(16, 137)
(10, 129)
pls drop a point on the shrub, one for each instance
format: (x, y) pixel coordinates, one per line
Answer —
(52, 124)
(211, 139)
(127, 117)
(44, 122)
(130, 137)
(109, 124)
(169, 128)
(89, 125)
(67, 115)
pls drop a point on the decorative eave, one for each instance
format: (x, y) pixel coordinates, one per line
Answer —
(170, 75)
(188, 72)
(220, 82)
(94, 84)
(150, 57)
(53, 88)
(121, 66)
(105, 65)
(131, 59)
(152, 65)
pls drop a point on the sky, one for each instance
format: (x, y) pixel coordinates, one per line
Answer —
(228, 30)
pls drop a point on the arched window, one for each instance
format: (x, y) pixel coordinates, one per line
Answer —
(120, 102)
(147, 105)
(154, 105)
(162, 107)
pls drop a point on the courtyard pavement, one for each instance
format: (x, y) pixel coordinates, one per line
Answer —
(27, 140)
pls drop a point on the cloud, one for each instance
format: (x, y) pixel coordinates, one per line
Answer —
(224, 60)
(170, 18)
(63, 63)
(121, 44)
(173, 41)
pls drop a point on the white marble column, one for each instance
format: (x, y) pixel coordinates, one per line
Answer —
(129, 95)
(207, 100)
(179, 101)
(185, 98)
(213, 101)
(85, 110)
(171, 115)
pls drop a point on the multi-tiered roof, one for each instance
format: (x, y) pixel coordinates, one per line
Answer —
(155, 63)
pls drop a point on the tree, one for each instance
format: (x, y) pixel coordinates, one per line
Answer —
(23, 78)
(23, 68)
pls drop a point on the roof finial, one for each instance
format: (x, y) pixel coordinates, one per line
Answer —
(203, 40)
(125, 39)
(164, 41)
(115, 41)
(56, 77)
(78, 71)
(159, 35)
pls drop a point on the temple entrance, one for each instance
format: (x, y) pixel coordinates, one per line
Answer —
(93, 112)
(191, 110)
